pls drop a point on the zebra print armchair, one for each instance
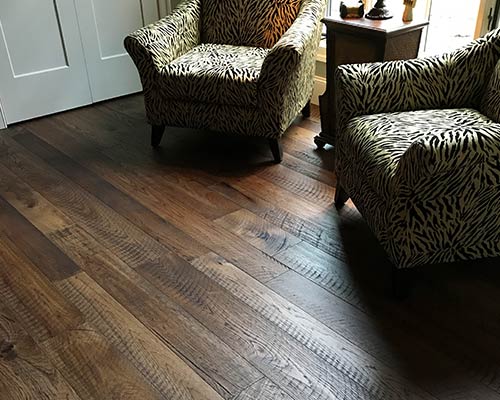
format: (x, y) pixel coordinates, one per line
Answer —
(418, 152)
(237, 66)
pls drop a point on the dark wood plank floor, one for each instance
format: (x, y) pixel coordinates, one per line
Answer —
(204, 271)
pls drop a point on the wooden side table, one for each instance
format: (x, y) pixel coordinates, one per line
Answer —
(351, 41)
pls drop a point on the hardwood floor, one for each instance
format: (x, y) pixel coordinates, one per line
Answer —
(203, 270)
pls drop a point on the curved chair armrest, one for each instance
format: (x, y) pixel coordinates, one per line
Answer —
(291, 60)
(450, 152)
(452, 80)
(157, 44)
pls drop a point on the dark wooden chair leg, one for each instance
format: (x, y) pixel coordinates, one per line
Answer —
(341, 196)
(403, 281)
(306, 111)
(156, 135)
(276, 150)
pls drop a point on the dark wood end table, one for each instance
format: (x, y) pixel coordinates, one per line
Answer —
(351, 41)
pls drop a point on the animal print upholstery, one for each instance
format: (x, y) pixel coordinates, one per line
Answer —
(491, 99)
(257, 95)
(215, 73)
(255, 23)
(420, 160)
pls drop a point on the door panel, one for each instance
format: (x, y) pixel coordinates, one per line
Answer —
(42, 68)
(103, 25)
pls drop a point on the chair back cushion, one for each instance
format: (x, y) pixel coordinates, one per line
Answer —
(256, 23)
(490, 105)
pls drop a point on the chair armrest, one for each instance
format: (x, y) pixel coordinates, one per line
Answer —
(289, 66)
(157, 44)
(447, 152)
(452, 80)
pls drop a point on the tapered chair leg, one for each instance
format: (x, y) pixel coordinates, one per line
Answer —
(276, 150)
(341, 196)
(156, 135)
(306, 111)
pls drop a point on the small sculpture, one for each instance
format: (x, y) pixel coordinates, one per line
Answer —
(352, 9)
(408, 12)
(379, 11)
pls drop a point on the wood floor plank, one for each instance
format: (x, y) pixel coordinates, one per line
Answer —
(300, 185)
(154, 196)
(261, 234)
(321, 215)
(109, 227)
(50, 260)
(390, 339)
(202, 265)
(130, 209)
(211, 358)
(94, 368)
(37, 304)
(161, 368)
(325, 239)
(283, 360)
(263, 390)
(25, 371)
(320, 339)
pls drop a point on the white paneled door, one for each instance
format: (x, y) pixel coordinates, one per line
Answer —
(42, 67)
(103, 25)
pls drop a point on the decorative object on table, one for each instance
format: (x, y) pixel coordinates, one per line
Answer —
(352, 9)
(250, 74)
(379, 11)
(408, 12)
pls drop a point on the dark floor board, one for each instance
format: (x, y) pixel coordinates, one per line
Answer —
(388, 336)
(261, 234)
(263, 390)
(280, 357)
(36, 303)
(51, 261)
(318, 338)
(203, 270)
(158, 199)
(160, 366)
(25, 370)
(223, 368)
(95, 369)
(327, 240)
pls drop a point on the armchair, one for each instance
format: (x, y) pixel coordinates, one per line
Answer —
(237, 66)
(418, 152)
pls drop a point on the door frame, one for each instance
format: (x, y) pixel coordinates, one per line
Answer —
(3, 120)
(482, 18)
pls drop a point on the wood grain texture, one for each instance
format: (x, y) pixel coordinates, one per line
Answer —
(263, 390)
(390, 337)
(159, 365)
(284, 353)
(201, 270)
(36, 303)
(25, 370)
(318, 338)
(94, 368)
(35, 246)
(261, 234)
(224, 369)
(157, 197)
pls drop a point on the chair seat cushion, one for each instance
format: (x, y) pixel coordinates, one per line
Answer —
(372, 145)
(215, 74)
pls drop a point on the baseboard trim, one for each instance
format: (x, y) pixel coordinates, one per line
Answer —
(319, 89)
